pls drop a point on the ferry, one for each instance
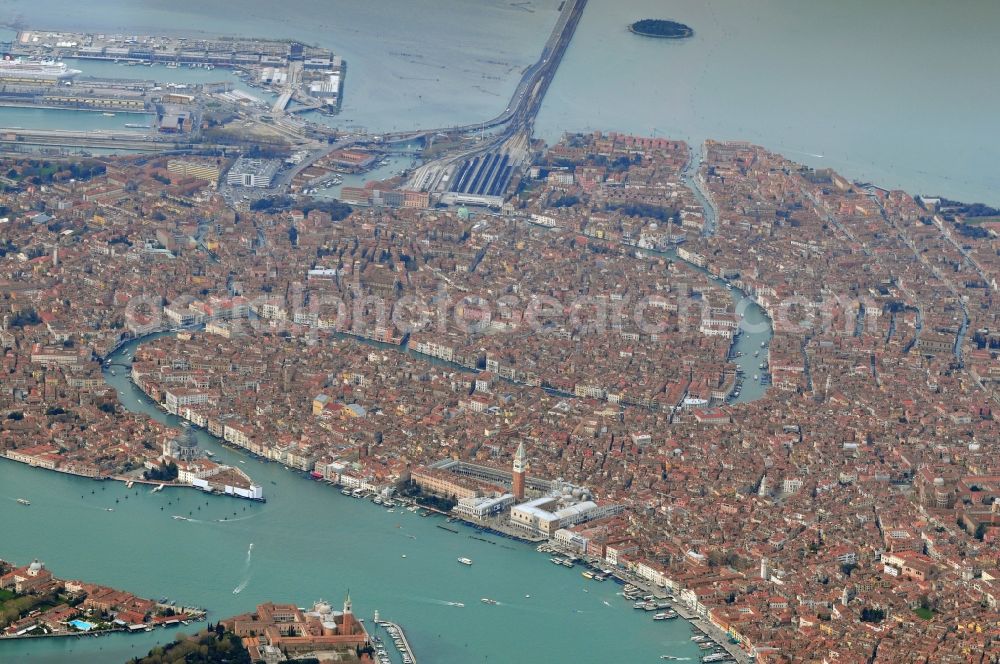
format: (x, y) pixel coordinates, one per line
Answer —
(465, 561)
(23, 501)
(108, 115)
(588, 575)
(665, 615)
(181, 518)
(487, 600)
(717, 657)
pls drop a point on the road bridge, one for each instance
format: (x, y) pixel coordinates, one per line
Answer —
(528, 94)
(282, 102)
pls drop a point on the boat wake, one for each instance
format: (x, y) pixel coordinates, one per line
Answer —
(441, 602)
(241, 518)
(246, 572)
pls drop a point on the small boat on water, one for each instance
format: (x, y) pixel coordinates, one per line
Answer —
(108, 115)
(587, 575)
(487, 600)
(465, 561)
(23, 501)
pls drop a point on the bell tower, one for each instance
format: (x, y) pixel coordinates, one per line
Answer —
(520, 467)
(348, 626)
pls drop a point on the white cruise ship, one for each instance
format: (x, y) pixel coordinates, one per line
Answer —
(16, 69)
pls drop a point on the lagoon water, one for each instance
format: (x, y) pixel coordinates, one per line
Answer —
(899, 92)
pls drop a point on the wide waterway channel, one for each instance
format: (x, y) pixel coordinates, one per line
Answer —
(309, 542)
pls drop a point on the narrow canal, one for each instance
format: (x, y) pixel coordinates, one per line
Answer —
(311, 542)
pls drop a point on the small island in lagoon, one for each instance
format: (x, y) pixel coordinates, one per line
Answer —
(661, 29)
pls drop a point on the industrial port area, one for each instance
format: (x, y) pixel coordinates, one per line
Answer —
(263, 82)
(290, 83)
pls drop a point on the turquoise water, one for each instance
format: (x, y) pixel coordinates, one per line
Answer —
(310, 542)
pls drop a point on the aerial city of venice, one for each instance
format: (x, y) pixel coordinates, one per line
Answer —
(462, 331)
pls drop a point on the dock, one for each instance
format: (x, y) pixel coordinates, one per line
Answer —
(398, 636)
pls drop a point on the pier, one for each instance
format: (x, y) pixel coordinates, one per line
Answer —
(399, 637)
